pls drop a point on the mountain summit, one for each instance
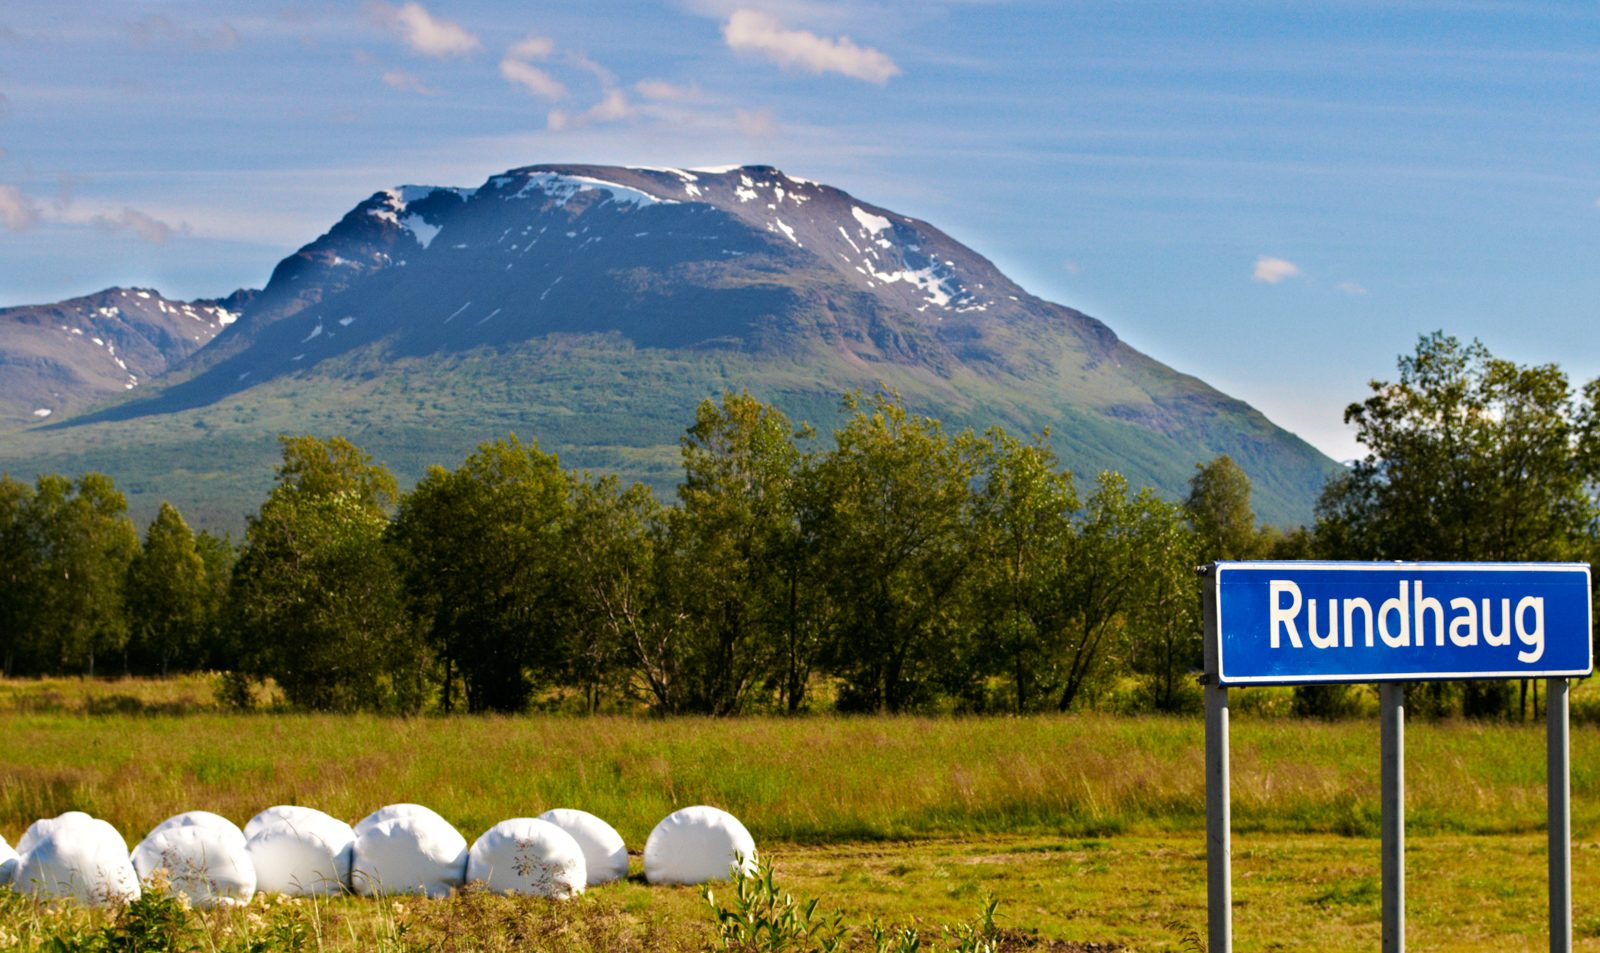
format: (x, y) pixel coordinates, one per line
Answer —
(592, 306)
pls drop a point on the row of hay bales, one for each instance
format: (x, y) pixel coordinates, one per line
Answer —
(398, 849)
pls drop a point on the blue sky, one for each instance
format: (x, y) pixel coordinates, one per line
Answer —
(1278, 198)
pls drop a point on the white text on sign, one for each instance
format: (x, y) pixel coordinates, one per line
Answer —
(1405, 620)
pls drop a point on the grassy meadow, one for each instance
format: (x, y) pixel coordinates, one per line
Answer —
(1087, 828)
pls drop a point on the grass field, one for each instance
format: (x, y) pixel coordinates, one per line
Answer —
(1085, 827)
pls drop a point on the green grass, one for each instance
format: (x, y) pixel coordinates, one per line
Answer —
(1087, 828)
(1146, 892)
(801, 781)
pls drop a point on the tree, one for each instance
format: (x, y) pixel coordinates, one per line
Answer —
(734, 534)
(1164, 623)
(1024, 532)
(316, 468)
(1470, 457)
(1218, 507)
(218, 554)
(617, 592)
(167, 594)
(85, 542)
(20, 560)
(896, 498)
(1121, 542)
(315, 595)
(480, 550)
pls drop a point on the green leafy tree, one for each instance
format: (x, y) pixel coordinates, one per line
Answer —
(480, 548)
(85, 542)
(167, 594)
(1120, 542)
(218, 555)
(618, 595)
(313, 467)
(315, 595)
(896, 497)
(20, 560)
(1164, 625)
(1470, 457)
(1025, 534)
(735, 535)
(1218, 507)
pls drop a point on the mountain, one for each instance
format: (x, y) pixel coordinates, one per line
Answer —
(590, 307)
(59, 358)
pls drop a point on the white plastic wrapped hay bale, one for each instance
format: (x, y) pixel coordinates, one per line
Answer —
(294, 814)
(203, 862)
(45, 826)
(525, 855)
(83, 859)
(390, 812)
(300, 852)
(8, 863)
(409, 854)
(697, 845)
(228, 829)
(604, 854)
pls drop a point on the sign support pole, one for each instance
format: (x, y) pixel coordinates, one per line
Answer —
(1219, 847)
(1392, 719)
(1559, 779)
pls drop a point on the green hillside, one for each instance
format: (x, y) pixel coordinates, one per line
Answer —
(596, 400)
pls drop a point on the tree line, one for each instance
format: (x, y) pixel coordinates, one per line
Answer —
(903, 568)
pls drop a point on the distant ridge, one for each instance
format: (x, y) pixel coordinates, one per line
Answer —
(59, 358)
(591, 307)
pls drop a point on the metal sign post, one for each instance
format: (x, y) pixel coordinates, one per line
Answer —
(1392, 780)
(1292, 623)
(1558, 757)
(1219, 824)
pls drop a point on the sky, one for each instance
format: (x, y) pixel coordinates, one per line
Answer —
(1278, 198)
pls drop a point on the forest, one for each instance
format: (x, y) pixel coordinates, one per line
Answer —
(901, 568)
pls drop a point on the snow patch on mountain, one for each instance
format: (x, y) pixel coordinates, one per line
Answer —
(562, 188)
(872, 223)
(420, 227)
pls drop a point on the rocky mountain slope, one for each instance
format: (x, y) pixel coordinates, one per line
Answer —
(590, 307)
(59, 358)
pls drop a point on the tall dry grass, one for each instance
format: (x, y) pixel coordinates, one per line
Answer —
(808, 780)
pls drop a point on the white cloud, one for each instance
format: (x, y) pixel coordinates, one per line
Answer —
(613, 107)
(399, 79)
(517, 67)
(424, 32)
(1352, 289)
(532, 78)
(606, 77)
(18, 210)
(662, 91)
(757, 32)
(1071, 267)
(756, 123)
(1273, 270)
(145, 227)
(532, 47)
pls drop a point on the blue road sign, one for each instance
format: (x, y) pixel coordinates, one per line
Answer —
(1289, 623)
